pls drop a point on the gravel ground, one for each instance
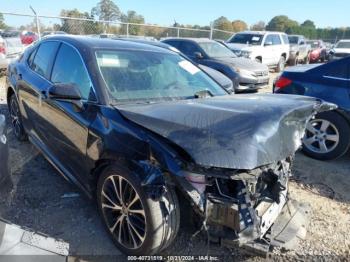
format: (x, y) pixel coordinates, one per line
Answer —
(37, 202)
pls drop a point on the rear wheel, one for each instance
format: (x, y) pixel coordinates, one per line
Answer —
(327, 136)
(307, 59)
(16, 119)
(294, 61)
(137, 224)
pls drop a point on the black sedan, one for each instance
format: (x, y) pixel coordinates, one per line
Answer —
(327, 135)
(252, 75)
(129, 123)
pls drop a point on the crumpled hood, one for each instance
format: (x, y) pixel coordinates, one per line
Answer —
(244, 63)
(238, 132)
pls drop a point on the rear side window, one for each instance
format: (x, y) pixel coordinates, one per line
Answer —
(188, 48)
(175, 44)
(31, 57)
(70, 69)
(43, 58)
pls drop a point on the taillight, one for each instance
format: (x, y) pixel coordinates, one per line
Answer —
(282, 82)
(2, 48)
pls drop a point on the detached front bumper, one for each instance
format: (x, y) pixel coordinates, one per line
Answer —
(250, 209)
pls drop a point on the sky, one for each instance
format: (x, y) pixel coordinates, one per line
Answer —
(324, 13)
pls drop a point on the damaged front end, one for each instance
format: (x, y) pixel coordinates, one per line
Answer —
(232, 158)
(241, 208)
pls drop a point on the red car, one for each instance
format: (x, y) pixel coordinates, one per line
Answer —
(318, 51)
(28, 37)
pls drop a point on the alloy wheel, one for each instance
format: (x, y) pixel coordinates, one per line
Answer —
(123, 211)
(321, 136)
(14, 116)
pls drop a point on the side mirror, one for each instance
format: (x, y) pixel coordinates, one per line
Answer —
(66, 92)
(198, 55)
(268, 43)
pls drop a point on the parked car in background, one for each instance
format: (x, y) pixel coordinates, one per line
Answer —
(327, 135)
(318, 51)
(269, 48)
(252, 75)
(137, 126)
(28, 37)
(5, 179)
(229, 84)
(299, 50)
(11, 48)
(340, 50)
(329, 47)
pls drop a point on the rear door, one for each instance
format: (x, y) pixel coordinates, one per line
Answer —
(67, 127)
(268, 54)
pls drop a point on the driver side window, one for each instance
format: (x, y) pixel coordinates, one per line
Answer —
(70, 69)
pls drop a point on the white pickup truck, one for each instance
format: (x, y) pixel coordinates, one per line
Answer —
(269, 48)
(10, 49)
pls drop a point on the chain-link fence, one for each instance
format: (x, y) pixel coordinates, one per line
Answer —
(43, 25)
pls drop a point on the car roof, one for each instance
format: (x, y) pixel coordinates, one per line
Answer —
(260, 32)
(197, 40)
(85, 42)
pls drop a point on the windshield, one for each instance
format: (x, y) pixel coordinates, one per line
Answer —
(251, 39)
(314, 44)
(293, 40)
(146, 76)
(214, 49)
(343, 45)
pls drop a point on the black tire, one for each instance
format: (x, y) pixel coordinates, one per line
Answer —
(281, 64)
(161, 219)
(16, 119)
(294, 61)
(336, 149)
(258, 59)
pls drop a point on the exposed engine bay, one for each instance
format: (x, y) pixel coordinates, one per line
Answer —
(240, 209)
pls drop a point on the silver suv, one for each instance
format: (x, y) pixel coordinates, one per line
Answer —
(269, 48)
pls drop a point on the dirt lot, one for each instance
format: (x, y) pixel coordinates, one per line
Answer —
(38, 201)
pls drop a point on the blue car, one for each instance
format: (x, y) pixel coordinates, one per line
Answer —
(327, 135)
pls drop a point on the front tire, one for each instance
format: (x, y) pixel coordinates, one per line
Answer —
(16, 119)
(137, 224)
(327, 136)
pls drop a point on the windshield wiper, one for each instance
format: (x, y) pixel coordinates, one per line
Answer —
(203, 94)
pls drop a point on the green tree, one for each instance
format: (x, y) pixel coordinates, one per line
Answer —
(74, 26)
(133, 17)
(222, 23)
(239, 25)
(282, 23)
(258, 26)
(106, 10)
(2, 23)
(308, 24)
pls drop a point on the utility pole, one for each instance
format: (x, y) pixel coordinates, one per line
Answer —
(36, 21)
